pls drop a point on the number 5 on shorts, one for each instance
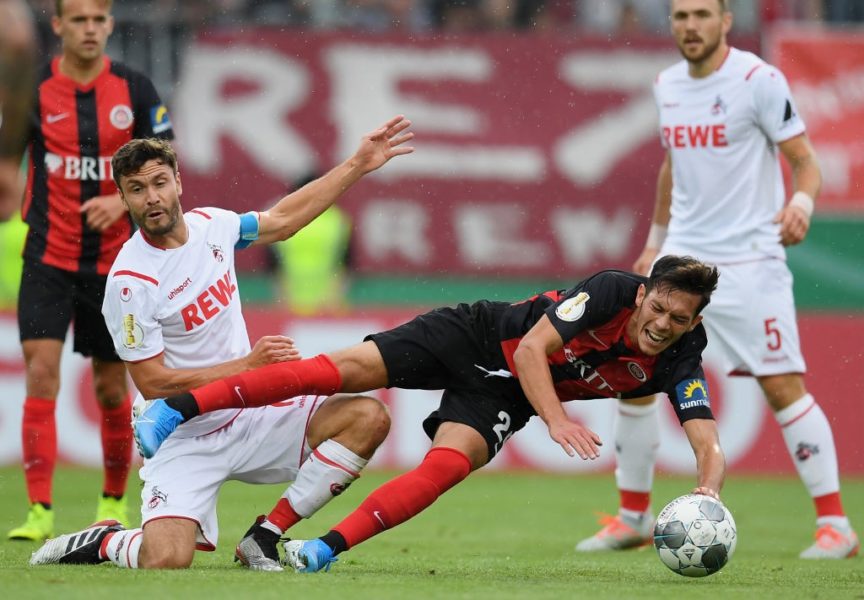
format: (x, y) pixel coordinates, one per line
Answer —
(774, 339)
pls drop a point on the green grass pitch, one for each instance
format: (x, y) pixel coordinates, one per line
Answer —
(497, 535)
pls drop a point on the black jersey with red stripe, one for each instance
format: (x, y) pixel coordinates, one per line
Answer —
(74, 131)
(598, 360)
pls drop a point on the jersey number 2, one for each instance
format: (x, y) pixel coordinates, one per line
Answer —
(502, 430)
(774, 339)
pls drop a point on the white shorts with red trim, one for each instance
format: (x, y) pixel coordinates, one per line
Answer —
(751, 318)
(262, 445)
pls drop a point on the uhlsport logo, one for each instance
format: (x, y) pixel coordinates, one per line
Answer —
(692, 393)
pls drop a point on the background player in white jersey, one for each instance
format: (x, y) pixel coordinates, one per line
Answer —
(724, 114)
(174, 312)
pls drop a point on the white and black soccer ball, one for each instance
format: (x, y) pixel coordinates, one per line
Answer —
(695, 535)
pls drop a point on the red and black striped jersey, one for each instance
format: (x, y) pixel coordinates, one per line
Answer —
(74, 131)
(598, 360)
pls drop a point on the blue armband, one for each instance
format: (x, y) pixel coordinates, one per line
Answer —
(248, 230)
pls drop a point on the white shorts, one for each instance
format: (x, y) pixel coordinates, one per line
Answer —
(262, 445)
(751, 318)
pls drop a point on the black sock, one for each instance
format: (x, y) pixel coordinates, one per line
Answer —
(107, 495)
(45, 505)
(184, 404)
(335, 540)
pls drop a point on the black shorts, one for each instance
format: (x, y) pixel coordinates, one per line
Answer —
(449, 349)
(51, 298)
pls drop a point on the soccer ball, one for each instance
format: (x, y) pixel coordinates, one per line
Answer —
(695, 535)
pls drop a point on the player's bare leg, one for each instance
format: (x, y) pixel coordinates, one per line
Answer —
(109, 381)
(810, 443)
(39, 435)
(637, 439)
(344, 433)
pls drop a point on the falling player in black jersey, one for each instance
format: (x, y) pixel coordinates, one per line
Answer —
(615, 335)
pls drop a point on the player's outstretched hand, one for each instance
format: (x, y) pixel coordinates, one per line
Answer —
(272, 349)
(576, 439)
(379, 146)
(794, 224)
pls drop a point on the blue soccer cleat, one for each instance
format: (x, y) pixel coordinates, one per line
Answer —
(153, 426)
(308, 556)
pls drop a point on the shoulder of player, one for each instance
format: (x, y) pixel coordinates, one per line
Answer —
(751, 67)
(611, 288)
(137, 262)
(671, 74)
(124, 71)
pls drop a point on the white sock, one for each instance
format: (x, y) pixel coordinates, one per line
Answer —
(123, 548)
(326, 473)
(637, 439)
(811, 445)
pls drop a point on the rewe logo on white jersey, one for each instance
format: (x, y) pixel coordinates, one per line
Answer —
(79, 168)
(695, 136)
(209, 303)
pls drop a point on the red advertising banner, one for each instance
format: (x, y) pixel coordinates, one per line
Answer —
(825, 69)
(534, 155)
(751, 439)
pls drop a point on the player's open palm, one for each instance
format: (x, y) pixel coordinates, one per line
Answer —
(272, 349)
(575, 439)
(379, 146)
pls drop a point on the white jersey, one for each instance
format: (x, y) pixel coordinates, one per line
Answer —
(180, 302)
(721, 133)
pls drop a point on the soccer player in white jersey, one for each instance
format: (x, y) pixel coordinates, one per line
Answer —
(173, 310)
(724, 115)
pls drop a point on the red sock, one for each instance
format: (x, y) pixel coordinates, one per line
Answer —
(116, 447)
(635, 501)
(283, 515)
(829, 505)
(270, 384)
(400, 499)
(39, 446)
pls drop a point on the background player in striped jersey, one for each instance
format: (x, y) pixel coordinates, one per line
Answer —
(724, 115)
(174, 312)
(86, 107)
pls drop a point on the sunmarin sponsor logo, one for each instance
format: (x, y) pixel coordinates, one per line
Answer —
(694, 403)
(179, 288)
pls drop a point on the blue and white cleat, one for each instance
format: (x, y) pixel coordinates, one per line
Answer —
(308, 556)
(153, 426)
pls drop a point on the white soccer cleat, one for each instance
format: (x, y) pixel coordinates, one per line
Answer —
(832, 543)
(619, 533)
(79, 548)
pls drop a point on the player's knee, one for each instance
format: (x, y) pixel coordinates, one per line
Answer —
(371, 418)
(165, 558)
(165, 555)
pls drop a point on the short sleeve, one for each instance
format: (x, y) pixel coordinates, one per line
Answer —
(151, 114)
(130, 310)
(590, 304)
(775, 109)
(687, 387)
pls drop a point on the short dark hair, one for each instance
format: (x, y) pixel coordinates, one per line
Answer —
(133, 154)
(58, 6)
(685, 274)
